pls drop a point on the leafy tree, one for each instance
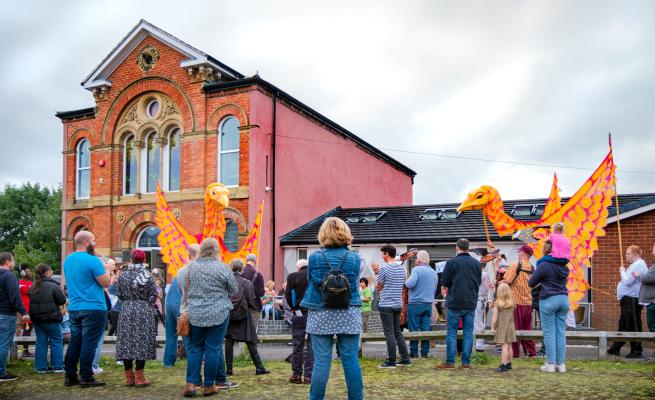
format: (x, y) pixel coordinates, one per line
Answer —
(30, 224)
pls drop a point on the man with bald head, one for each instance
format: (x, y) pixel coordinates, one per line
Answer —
(86, 277)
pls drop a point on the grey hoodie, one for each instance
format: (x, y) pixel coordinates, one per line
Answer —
(647, 291)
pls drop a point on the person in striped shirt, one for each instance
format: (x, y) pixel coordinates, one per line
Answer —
(390, 282)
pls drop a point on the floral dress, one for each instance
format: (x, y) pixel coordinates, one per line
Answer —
(137, 327)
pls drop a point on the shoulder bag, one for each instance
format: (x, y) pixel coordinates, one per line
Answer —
(183, 324)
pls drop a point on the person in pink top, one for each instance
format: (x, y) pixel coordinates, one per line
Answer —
(561, 244)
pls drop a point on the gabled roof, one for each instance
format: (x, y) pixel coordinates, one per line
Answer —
(403, 225)
(99, 76)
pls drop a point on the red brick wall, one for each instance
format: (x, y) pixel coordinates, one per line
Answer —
(639, 230)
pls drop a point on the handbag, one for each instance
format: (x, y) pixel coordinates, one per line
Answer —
(183, 324)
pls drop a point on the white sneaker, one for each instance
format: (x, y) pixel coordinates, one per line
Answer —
(119, 362)
(548, 368)
(98, 370)
(561, 368)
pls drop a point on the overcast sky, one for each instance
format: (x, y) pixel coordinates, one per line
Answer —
(530, 81)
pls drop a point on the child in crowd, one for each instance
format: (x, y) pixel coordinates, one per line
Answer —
(502, 325)
(268, 301)
(560, 246)
(65, 323)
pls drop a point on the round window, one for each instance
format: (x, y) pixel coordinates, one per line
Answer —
(152, 108)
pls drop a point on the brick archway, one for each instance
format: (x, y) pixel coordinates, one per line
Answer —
(138, 88)
(133, 226)
(76, 225)
(224, 111)
(236, 216)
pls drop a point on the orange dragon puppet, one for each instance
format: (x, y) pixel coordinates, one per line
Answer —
(584, 215)
(175, 240)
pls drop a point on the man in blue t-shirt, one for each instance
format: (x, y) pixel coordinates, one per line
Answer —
(390, 282)
(85, 277)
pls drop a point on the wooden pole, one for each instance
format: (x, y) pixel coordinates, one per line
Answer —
(486, 229)
(616, 202)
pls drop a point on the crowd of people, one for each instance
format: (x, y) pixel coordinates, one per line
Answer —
(327, 296)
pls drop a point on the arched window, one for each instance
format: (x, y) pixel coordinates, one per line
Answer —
(231, 238)
(172, 162)
(130, 166)
(152, 161)
(228, 156)
(83, 161)
(147, 239)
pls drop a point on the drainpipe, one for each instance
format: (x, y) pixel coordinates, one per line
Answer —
(274, 240)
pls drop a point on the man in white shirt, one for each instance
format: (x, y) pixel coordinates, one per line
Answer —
(627, 292)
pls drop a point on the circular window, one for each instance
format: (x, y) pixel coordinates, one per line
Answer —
(152, 108)
(147, 58)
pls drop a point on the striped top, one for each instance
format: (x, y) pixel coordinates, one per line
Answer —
(392, 277)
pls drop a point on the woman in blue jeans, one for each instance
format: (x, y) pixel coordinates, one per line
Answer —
(46, 298)
(552, 274)
(323, 323)
(209, 283)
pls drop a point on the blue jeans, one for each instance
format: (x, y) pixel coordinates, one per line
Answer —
(48, 334)
(452, 321)
(207, 341)
(553, 311)
(268, 311)
(86, 328)
(7, 332)
(96, 358)
(170, 350)
(348, 346)
(418, 319)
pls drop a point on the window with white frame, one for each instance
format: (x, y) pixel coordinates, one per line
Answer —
(83, 173)
(172, 161)
(302, 253)
(130, 165)
(151, 164)
(228, 155)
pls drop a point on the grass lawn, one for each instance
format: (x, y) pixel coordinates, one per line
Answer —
(585, 380)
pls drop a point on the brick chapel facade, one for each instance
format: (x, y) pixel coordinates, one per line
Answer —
(168, 113)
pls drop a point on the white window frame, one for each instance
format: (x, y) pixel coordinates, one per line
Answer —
(221, 152)
(298, 250)
(166, 160)
(79, 169)
(144, 162)
(138, 160)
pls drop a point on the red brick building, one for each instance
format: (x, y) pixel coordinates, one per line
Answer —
(167, 112)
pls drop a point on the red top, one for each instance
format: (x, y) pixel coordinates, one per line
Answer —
(25, 286)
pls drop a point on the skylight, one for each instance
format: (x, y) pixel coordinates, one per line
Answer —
(432, 214)
(364, 217)
(522, 210)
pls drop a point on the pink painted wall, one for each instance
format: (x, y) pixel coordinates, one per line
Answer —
(316, 170)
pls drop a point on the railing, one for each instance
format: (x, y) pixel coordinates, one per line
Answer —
(601, 338)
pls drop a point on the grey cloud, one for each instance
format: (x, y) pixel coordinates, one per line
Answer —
(526, 81)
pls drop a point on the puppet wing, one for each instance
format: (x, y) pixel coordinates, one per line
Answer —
(173, 238)
(585, 216)
(250, 246)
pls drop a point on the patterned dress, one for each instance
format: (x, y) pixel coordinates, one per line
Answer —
(137, 326)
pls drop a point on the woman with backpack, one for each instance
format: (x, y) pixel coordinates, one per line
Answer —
(333, 304)
(46, 298)
(242, 327)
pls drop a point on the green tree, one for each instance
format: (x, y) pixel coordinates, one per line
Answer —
(30, 224)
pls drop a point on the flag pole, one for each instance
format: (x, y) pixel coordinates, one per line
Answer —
(616, 201)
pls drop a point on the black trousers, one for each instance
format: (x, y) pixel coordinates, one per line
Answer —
(252, 349)
(302, 347)
(113, 322)
(629, 321)
(390, 318)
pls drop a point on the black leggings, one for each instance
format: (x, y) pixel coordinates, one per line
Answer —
(140, 364)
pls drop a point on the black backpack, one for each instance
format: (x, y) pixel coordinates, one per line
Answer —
(239, 309)
(335, 288)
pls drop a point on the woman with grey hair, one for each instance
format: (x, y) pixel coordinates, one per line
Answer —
(242, 327)
(207, 284)
(421, 286)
